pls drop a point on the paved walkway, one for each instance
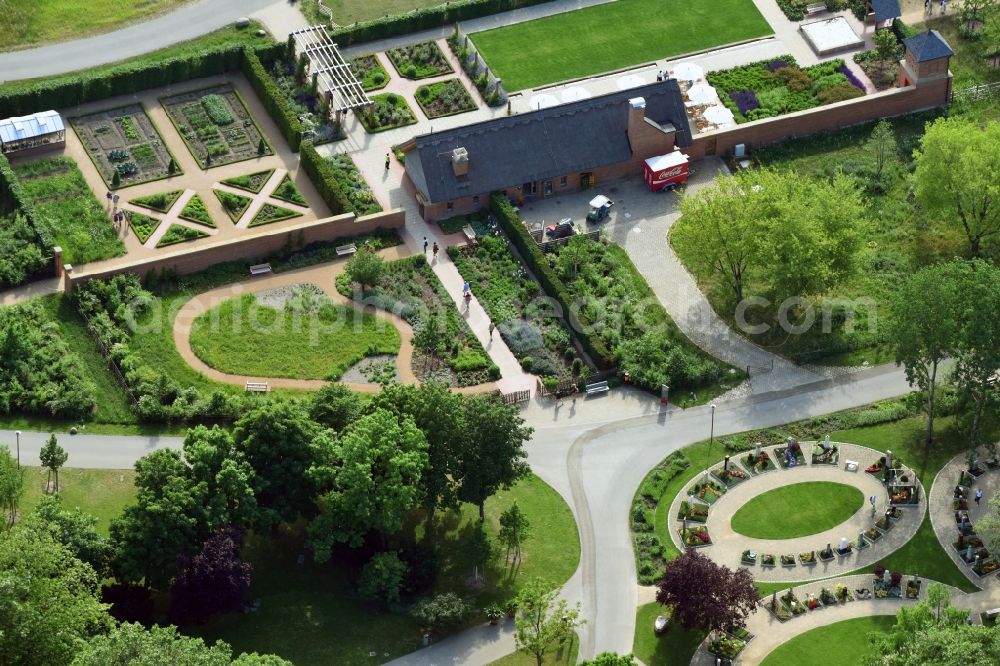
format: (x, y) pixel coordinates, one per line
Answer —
(728, 546)
(31, 290)
(189, 21)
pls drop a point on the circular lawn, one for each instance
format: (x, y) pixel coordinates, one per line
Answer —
(797, 510)
(847, 639)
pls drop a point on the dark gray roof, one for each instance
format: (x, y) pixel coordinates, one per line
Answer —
(537, 145)
(928, 45)
(886, 9)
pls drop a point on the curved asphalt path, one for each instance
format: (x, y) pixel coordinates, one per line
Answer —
(190, 21)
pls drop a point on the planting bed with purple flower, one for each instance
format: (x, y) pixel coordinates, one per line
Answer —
(778, 86)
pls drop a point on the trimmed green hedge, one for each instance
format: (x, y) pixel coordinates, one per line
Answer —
(424, 19)
(274, 100)
(550, 282)
(11, 191)
(322, 176)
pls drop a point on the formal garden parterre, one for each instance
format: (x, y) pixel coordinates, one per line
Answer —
(370, 72)
(444, 98)
(387, 111)
(419, 61)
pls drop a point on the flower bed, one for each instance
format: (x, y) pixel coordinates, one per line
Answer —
(194, 211)
(986, 567)
(873, 534)
(179, 234)
(788, 560)
(693, 512)
(419, 61)
(821, 456)
(827, 597)
(748, 557)
(161, 202)
(370, 72)
(779, 610)
(792, 603)
(269, 214)
(305, 103)
(708, 492)
(842, 593)
(913, 589)
(387, 112)
(767, 560)
(695, 537)
(778, 86)
(798, 456)
(757, 464)
(726, 646)
(808, 557)
(353, 185)
(143, 225)
(216, 126)
(287, 191)
(730, 476)
(234, 204)
(253, 182)
(445, 98)
(883, 524)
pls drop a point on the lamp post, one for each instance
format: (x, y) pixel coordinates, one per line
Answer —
(17, 436)
(711, 437)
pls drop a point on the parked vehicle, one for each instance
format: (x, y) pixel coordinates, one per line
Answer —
(564, 229)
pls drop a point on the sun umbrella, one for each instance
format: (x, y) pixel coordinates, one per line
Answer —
(688, 71)
(719, 115)
(574, 93)
(542, 101)
(702, 93)
(630, 81)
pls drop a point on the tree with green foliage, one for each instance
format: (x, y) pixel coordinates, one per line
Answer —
(276, 439)
(53, 457)
(11, 485)
(382, 577)
(542, 622)
(492, 455)
(225, 475)
(883, 149)
(924, 327)
(167, 522)
(335, 406)
(290, 49)
(443, 611)
(479, 550)
(49, 602)
(610, 659)
(132, 644)
(261, 147)
(74, 529)
(439, 414)
(171, 167)
(933, 632)
(955, 178)
(116, 180)
(772, 232)
(886, 46)
(215, 580)
(300, 68)
(514, 530)
(428, 337)
(572, 254)
(988, 526)
(366, 268)
(368, 479)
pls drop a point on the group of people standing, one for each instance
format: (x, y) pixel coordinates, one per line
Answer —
(929, 7)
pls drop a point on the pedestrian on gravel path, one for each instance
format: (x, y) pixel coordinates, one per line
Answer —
(436, 248)
(491, 330)
(425, 244)
(979, 495)
(387, 161)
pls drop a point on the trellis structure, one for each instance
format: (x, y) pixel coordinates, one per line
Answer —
(335, 78)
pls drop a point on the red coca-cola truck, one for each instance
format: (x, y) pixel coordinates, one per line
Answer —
(665, 171)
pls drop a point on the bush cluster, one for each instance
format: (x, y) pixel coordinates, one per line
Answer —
(649, 550)
(25, 242)
(322, 174)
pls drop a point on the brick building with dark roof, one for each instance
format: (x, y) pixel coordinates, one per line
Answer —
(539, 153)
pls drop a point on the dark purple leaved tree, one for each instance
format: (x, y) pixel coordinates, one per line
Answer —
(214, 581)
(706, 595)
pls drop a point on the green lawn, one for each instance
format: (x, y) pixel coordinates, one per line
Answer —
(102, 493)
(564, 654)
(28, 22)
(241, 336)
(797, 510)
(846, 640)
(674, 648)
(347, 12)
(613, 36)
(310, 615)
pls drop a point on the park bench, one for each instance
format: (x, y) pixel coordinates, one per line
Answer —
(346, 249)
(992, 613)
(260, 269)
(597, 387)
(469, 232)
(257, 387)
(815, 8)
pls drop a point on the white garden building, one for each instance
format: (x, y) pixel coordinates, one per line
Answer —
(44, 128)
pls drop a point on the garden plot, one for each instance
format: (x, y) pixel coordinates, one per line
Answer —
(306, 103)
(161, 202)
(234, 204)
(419, 61)
(124, 141)
(353, 185)
(216, 126)
(445, 98)
(194, 211)
(143, 225)
(287, 191)
(387, 112)
(269, 213)
(179, 234)
(370, 72)
(253, 182)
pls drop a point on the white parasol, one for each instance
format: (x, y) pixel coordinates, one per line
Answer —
(688, 71)
(574, 93)
(719, 115)
(702, 93)
(630, 81)
(542, 101)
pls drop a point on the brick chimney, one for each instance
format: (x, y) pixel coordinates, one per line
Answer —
(647, 137)
(460, 162)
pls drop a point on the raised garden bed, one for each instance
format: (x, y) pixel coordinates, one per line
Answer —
(779, 610)
(287, 191)
(419, 61)
(180, 234)
(726, 647)
(884, 524)
(269, 214)
(986, 567)
(730, 476)
(821, 456)
(778, 86)
(353, 185)
(253, 182)
(748, 558)
(124, 140)
(444, 98)
(792, 603)
(767, 560)
(708, 492)
(788, 560)
(369, 71)
(798, 457)
(903, 495)
(808, 557)
(194, 211)
(216, 126)
(882, 73)
(692, 512)
(695, 537)
(873, 534)
(143, 225)
(234, 204)
(757, 464)
(388, 111)
(161, 202)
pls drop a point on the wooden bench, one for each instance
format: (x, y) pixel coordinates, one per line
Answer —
(346, 249)
(260, 269)
(469, 232)
(597, 387)
(257, 387)
(815, 8)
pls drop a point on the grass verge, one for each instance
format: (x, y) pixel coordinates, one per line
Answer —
(102, 493)
(814, 646)
(674, 648)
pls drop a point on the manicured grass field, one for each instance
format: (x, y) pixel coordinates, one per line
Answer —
(847, 639)
(564, 654)
(674, 648)
(309, 613)
(351, 11)
(797, 510)
(613, 36)
(102, 493)
(33, 21)
(243, 337)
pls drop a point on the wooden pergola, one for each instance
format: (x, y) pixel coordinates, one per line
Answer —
(335, 77)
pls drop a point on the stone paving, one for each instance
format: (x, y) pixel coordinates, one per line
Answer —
(727, 546)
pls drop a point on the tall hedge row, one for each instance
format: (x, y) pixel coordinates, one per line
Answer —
(518, 234)
(12, 193)
(274, 100)
(323, 178)
(424, 19)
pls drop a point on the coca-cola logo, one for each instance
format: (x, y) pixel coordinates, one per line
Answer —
(669, 173)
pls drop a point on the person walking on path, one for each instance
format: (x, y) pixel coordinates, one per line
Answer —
(425, 244)
(491, 330)
(466, 288)
(436, 250)
(979, 495)
(387, 161)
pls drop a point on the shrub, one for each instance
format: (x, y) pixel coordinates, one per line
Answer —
(838, 93)
(382, 577)
(276, 103)
(442, 612)
(851, 78)
(795, 79)
(324, 179)
(745, 100)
